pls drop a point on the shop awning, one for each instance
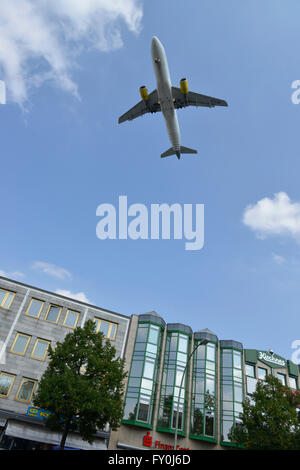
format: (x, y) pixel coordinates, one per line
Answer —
(34, 432)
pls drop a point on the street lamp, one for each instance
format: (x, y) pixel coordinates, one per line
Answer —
(200, 343)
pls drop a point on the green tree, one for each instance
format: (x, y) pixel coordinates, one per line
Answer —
(271, 420)
(82, 386)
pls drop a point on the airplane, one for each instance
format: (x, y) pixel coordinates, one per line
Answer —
(167, 99)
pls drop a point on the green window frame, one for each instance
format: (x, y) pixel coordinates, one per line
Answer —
(170, 403)
(232, 391)
(35, 308)
(142, 382)
(6, 383)
(6, 298)
(204, 392)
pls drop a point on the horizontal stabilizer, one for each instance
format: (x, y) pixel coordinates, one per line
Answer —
(172, 151)
(187, 150)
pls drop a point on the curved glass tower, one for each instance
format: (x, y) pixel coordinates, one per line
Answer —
(143, 376)
(232, 390)
(204, 387)
(175, 360)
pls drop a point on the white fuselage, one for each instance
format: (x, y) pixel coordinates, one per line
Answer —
(164, 90)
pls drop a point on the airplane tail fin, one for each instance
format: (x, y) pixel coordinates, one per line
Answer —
(172, 151)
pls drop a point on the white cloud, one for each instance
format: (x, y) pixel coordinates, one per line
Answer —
(79, 296)
(40, 40)
(278, 258)
(52, 270)
(277, 216)
(13, 274)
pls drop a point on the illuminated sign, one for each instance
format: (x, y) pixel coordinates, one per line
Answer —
(148, 441)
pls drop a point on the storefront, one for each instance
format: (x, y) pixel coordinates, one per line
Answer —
(185, 389)
(28, 432)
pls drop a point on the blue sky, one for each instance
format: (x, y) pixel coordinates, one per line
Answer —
(63, 154)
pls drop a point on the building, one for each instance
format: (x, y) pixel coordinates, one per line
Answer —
(203, 379)
(30, 320)
(171, 370)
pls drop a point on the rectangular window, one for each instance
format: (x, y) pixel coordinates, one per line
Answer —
(209, 424)
(227, 361)
(71, 319)
(237, 358)
(6, 383)
(282, 378)
(20, 344)
(210, 385)
(251, 385)
(210, 352)
(40, 349)
(26, 390)
(136, 368)
(130, 408)
(6, 298)
(142, 333)
(153, 334)
(262, 373)
(143, 408)
(293, 383)
(250, 370)
(109, 329)
(238, 392)
(149, 369)
(227, 392)
(53, 314)
(183, 344)
(226, 428)
(178, 407)
(34, 308)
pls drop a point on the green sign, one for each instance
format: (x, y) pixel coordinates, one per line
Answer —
(272, 360)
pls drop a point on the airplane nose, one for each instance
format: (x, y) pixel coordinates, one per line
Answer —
(155, 46)
(157, 49)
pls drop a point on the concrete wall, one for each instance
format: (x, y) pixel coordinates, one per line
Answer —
(25, 366)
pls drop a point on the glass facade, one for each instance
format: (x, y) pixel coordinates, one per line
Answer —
(142, 382)
(175, 360)
(231, 391)
(204, 391)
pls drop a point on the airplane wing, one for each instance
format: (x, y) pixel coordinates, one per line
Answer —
(150, 106)
(194, 99)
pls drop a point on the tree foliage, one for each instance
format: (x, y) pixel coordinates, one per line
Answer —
(270, 421)
(82, 386)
